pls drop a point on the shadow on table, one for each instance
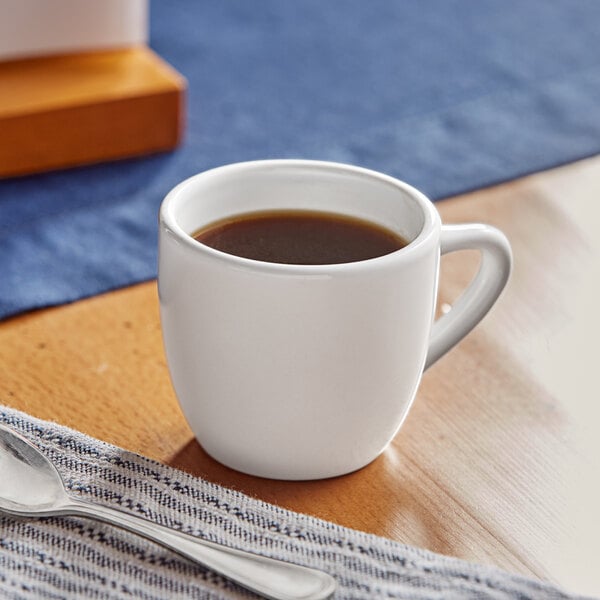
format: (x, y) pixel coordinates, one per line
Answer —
(361, 500)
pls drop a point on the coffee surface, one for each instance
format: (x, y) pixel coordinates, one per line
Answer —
(300, 237)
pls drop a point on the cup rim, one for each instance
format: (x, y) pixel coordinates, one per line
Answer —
(431, 219)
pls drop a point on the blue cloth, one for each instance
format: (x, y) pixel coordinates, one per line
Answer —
(449, 95)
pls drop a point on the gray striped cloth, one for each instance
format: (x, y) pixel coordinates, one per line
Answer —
(57, 558)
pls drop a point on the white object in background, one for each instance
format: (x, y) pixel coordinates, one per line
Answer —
(40, 27)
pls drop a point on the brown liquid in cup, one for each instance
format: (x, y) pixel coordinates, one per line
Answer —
(299, 237)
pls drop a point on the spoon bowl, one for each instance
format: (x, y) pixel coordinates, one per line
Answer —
(29, 482)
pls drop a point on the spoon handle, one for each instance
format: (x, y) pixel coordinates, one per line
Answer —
(270, 577)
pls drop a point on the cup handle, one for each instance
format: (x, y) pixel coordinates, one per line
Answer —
(481, 294)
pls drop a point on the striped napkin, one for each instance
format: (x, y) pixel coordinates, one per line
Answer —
(55, 558)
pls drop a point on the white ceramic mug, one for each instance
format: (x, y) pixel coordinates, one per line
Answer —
(304, 372)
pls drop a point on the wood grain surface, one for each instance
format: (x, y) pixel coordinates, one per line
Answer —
(498, 461)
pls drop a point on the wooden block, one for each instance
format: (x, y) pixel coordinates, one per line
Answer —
(75, 109)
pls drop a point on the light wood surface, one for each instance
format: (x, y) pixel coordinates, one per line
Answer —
(498, 461)
(74, 109)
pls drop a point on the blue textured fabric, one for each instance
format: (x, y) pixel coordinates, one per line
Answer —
(449, 95)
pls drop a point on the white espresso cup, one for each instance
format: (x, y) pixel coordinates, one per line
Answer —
(308, 371)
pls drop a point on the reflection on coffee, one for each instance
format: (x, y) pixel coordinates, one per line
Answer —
(300, 237)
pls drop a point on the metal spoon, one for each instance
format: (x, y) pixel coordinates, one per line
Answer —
(31, 486)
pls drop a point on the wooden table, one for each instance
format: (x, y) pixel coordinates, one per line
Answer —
(498, 461)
